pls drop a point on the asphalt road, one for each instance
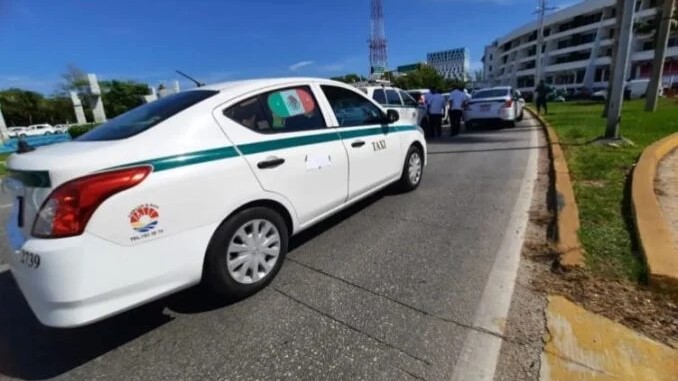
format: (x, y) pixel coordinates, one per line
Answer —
(385, 291)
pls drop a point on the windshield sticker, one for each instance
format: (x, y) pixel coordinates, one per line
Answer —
(291, 103)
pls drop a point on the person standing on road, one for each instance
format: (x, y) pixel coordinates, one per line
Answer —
(435, 106)
(542, 91)
(458, 99)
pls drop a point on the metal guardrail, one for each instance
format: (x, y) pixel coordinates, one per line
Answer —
(10, 145)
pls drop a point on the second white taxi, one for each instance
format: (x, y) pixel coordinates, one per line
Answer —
(203, 185)
(399, 100)
(503, 105)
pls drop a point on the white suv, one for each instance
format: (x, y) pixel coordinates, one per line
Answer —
(399, 100)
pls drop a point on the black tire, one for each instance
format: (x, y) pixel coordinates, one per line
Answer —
(215, 272)
(511, 123)
(521, 116)
(406, 183)
(22, 135)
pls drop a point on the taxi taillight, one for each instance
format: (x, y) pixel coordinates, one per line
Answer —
(508, 103)
(67, 210)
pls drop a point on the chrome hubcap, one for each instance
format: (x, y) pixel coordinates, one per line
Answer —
(414, 168)
(253, 251)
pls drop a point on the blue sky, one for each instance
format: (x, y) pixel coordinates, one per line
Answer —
(231, 39)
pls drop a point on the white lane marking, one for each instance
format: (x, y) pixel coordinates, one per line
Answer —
(480, 352)
(4, 268)
(5, 205)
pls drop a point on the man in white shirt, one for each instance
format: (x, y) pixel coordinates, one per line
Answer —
(458, 99)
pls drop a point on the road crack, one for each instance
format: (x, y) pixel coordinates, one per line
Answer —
(349, 326)
(511, 340)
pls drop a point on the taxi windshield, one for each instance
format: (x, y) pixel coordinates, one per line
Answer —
(146, 116)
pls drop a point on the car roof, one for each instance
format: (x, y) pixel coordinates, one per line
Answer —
(496, 88)
(254, 84)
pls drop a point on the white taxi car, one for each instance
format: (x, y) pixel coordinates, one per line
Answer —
(497, 104)
(203, 185)
(399, 100)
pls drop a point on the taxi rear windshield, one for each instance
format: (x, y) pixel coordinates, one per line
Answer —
(145, 116)
(490, 93)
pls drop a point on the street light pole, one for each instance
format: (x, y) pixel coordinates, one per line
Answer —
(620, 69)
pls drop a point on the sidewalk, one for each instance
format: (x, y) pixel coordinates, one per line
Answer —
(666, 188)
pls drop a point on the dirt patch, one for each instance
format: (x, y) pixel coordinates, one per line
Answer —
(666, 188)
(647, 311)
(592, 183)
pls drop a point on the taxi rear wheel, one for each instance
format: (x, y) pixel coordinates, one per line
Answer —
(413, 170)
(246, 252)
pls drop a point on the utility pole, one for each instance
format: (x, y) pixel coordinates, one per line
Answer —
(662, 40)
(542, 8)
(621, 62)
(619, 10)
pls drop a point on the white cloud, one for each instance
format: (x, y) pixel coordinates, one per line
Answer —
(300, 64)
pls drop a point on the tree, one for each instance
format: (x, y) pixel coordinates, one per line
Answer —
(74, 79)
(121, 96)
(350, 78)
(425, 77)
(21, 107)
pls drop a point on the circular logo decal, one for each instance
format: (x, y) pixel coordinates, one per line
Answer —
(144, 218)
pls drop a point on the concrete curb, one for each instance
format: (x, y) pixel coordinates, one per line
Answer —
(581, 345)
(654, 236)
(567, 213)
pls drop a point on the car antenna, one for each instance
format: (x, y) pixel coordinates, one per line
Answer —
(197, 83)
(23, 146)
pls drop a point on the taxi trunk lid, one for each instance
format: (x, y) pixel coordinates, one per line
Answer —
(32, 176)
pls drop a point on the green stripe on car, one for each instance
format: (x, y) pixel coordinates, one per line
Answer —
(40, 179)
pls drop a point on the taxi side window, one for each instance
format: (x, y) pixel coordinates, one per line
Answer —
(283, 110)
(392, 98)
(379, 96)
(351, 108)
(408, 100)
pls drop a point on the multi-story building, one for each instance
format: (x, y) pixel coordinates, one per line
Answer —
(404, 69)
(451, 64)
(577, 49)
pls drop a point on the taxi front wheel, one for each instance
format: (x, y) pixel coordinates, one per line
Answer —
(246, 252)
(413, 169)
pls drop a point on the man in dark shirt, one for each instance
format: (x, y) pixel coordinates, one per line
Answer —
(542, 91)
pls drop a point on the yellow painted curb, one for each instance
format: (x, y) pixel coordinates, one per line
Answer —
(652, 228)
(567, 213)
(587, 347)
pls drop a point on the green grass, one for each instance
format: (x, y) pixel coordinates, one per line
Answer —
(3, 169)
(600, 174)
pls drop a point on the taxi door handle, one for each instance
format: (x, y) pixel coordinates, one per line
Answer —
(270, 163)
(358, 143)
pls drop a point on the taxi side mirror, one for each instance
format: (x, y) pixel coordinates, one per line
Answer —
(392, 116)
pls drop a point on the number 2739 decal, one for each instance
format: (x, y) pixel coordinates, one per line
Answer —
(29, 259)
